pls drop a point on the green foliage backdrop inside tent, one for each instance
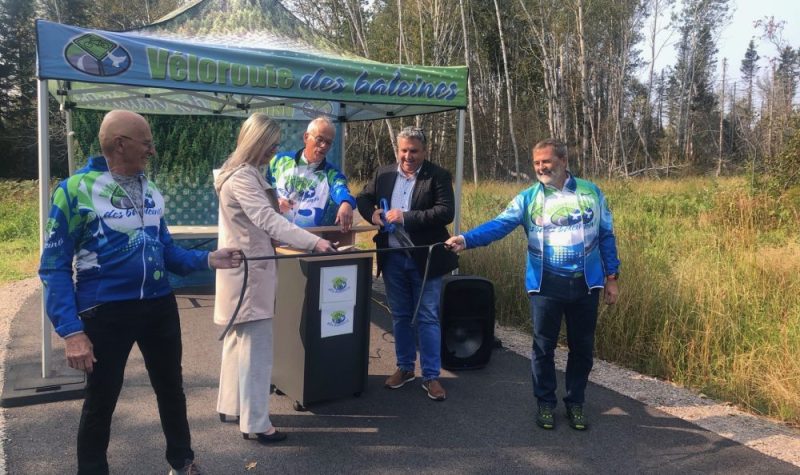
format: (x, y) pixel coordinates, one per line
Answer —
(188, 149)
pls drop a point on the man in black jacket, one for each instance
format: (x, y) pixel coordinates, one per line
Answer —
(421, 203)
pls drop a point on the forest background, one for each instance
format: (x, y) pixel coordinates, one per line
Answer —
(702, 170)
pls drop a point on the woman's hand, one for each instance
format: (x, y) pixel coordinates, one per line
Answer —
(323, 245)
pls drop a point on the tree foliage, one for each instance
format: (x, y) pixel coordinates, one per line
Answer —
(574, 72)
(17, 88)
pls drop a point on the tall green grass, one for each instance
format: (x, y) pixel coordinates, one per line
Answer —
(710, 288)
(19, 229)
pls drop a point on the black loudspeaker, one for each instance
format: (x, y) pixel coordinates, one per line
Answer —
(466, 314)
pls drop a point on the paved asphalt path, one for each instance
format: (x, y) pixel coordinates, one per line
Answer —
(485, 426)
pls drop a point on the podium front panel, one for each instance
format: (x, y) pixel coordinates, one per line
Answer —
(321, 328)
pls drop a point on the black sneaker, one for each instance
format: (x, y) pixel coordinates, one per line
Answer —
(544, 417)
(577, 420)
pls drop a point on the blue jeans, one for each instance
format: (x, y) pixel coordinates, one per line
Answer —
(570, 298)
(403, 283)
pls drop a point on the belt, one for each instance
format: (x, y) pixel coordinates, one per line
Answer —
(574, 275)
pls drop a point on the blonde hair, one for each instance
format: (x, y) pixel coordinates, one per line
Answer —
(257, 136)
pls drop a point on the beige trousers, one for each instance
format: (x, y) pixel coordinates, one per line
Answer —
(245, 375)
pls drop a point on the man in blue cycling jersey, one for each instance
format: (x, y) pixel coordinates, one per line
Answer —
(104, 269)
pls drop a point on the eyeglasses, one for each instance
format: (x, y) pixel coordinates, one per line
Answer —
(320, 141)
(147, 143)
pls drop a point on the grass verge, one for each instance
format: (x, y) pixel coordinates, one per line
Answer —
(710, 288)
(710, 283)
(19, 230)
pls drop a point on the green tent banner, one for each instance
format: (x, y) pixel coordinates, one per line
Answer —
(92, 56)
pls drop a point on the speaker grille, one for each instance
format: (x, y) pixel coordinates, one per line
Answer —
(467, 318)
(464, 339)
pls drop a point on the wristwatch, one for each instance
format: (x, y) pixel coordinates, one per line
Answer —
(612, 276)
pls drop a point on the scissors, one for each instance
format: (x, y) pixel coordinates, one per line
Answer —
(397, 229)
(387, 226)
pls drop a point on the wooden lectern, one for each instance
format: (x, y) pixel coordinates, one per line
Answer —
(321, 323)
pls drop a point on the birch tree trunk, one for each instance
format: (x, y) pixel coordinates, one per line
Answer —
(771, 122)
(357, 21)
(470, 109)
(358, 25)
(421, 33)
(546, 49)
(497, 124)
(721, 115)
(508, 91)
(401, 43)
(657, 8)
(587, 114)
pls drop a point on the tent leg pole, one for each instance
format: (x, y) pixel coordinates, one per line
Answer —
(459, 175)
(343, 132)
(70, 143)
(44, 204)
(459, 172)
(26, 381)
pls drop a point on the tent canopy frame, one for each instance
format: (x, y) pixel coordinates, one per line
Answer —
(74, 89)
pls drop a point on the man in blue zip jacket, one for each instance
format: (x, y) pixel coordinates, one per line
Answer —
(572, 255)
(108, 220)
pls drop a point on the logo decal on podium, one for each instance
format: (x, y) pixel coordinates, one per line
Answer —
(336, 320)
(338, 317)
(337, 299)
(339, 284)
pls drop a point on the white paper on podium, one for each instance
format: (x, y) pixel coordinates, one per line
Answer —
(337, 284)
(336, 319)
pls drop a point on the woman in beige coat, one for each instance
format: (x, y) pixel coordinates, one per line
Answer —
(249, 220)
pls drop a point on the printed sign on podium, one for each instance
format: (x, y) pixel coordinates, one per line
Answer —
(337, 284)
(336, 319)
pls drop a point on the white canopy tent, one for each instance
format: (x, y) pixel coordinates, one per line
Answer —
(199, 71)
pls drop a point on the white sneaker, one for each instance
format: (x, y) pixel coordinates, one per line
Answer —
(191, 468)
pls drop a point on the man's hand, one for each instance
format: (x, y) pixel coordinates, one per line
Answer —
(323, 245)
(376, 217)
(285, 205)
(78, 349)
(344, 217)
(611, 292)
(225, 258)
(456, 243)
(394, 215)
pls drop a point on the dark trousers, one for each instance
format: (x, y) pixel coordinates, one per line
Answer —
(113, 328)
(570, 298)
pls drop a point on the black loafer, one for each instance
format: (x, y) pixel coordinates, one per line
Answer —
(224, 418)
(263, 438)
